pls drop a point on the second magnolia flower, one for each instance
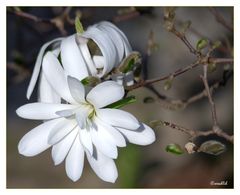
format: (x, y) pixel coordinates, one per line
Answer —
(110, 47)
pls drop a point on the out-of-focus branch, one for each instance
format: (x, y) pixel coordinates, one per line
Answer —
(220, 19)
(193, 134)
(58, 21)
(21, 72)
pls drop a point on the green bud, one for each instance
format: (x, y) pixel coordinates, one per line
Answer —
(90, 81)
(78, 25)
(174, 149)
(201, 44)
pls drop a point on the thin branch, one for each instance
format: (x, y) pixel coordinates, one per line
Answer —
(58, 21)
(213, 107)
(220, 19)
(196, 133)
(182, 37)
(179, 72)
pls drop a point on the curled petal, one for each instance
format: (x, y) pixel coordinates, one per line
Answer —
(47, 94)
(106, 46)
(72, 59)
(54, 73)
(37, 66)
(105, 93)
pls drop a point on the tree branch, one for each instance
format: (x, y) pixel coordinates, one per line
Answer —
(179, 72)
(220, 19)
(194, 134)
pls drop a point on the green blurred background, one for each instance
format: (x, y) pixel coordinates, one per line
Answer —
(139, 167)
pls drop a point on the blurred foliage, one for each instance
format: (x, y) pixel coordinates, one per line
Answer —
(128, 164)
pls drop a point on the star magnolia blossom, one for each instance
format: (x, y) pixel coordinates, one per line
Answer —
(77, 60)
(81, 126)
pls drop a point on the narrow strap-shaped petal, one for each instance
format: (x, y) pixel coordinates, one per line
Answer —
(86, 140)
(126, 43)
(75, 160)
(46, 93)
(143, 136)
(37, 66)
(118, 118)
(36, 140)
(105, 93)
(41, 111)
(87, 56)
(60, 130)
(103, 166)
(106, 46)
(72, 59)
(76, 89)
(54, 73)
(61, 149)
(116, 39)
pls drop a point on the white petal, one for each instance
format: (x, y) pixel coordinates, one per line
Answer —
(75, 160)
(106, 46)
(72, 59)
(143, 136)
(60, 130)
(116, 39)
(81, 117)
(104, 142)
(61, 149)
(36, 140)
(86, 140)
(98, 61)
(118, 118)
(103, 166)
(127, 46)
(105, 93)
(116, 137)
(87, 56)
(54, 73)
(77, 89)
(41, 111)
(46, 93)
(37, 66)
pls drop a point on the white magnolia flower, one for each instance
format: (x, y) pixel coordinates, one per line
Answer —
(77, 60)
(82, 125)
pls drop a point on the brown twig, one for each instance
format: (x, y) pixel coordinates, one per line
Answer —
(196, 133)
(220, 19)
(58, 21)
(180, 71)
(213, 107)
